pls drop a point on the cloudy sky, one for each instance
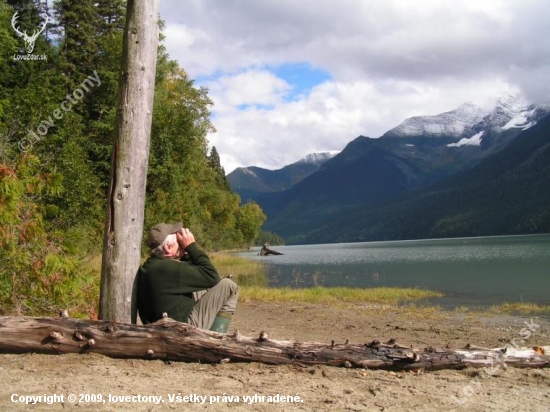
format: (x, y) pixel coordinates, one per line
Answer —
(294, 77)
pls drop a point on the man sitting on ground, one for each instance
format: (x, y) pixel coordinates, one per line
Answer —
(169, 280)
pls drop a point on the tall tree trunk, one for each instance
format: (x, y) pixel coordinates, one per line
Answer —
(126, 201)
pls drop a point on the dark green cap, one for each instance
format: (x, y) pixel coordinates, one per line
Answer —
(159, 232)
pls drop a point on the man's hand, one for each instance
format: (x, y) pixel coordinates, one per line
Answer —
(185, 238)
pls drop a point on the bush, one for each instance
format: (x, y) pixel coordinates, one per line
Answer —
(38, 276)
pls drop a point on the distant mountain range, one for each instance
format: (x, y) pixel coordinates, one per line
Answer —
(257, 180)
(461, 173)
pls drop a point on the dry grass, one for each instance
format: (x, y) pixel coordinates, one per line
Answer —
(521, 308)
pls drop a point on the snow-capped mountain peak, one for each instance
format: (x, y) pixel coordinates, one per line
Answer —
(316, 158)
(508, 108)
(466, 122)
(451, 124)
(511, 112)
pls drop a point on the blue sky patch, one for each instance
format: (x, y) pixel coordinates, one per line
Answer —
(247, 106)
(301, 76)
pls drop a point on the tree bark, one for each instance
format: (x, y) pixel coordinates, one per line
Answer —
(175, 341)
(126, 200)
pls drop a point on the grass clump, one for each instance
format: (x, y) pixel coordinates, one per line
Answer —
(245, 272)
(336, 295)
(521, 308)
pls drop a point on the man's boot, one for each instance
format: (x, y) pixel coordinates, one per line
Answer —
(221, 323)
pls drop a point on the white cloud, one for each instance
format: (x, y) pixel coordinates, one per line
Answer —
(252, 87)
(331, 116)
(388, 60)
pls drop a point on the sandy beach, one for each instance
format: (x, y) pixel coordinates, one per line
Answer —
(105, 384)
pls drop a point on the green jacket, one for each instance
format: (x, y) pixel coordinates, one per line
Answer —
(167, 285)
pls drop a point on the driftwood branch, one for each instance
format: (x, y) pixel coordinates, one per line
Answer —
(175, 341)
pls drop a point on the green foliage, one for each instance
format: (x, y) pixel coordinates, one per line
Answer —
(53, 193)
(250, 218)
(37, 274)
(8, 46)
(214, 162)
(78, 22)
(268, 237)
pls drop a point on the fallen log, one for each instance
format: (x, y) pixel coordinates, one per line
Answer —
(174, 341)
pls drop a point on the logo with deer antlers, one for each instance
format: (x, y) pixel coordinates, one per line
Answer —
(29, 40)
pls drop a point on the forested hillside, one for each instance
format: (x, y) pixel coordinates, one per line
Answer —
(507, 193)
(57, 121)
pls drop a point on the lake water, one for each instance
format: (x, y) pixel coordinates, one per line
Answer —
(471, 272)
